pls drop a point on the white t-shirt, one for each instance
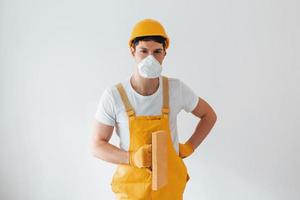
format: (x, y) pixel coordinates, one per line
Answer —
(111, 111)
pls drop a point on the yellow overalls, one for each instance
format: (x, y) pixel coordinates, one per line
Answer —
(131, 183)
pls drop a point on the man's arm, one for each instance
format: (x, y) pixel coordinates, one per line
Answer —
(207, 117)
(102, 149)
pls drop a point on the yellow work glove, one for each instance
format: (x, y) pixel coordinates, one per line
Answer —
(142, 157)
(185, 150)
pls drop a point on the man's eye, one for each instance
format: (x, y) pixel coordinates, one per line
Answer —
(143, 51)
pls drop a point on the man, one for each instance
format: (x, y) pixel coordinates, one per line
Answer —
(145, 103)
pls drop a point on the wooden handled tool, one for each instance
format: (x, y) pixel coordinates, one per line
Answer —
(159, 160)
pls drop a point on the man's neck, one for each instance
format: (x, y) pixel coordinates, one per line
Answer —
(144, 86)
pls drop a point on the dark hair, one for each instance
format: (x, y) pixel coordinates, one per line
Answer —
(155, 38)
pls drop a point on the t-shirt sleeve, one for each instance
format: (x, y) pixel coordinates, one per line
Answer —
(105, 112)
(189, 98)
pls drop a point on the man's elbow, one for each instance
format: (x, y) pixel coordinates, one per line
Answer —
(96, 149)
(213, 116)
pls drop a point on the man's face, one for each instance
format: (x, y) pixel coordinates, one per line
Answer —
(145, 48)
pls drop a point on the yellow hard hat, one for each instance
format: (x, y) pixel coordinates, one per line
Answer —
(148, 27)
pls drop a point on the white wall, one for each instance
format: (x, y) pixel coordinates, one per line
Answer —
(56, 57)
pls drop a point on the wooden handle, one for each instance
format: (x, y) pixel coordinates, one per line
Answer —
(159, 160)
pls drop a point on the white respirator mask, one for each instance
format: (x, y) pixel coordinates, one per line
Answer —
(149, 67)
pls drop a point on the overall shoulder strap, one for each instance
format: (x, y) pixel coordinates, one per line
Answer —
(165, 108)
(128, 107)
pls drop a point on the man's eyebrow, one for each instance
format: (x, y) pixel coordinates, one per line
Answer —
(144, 48)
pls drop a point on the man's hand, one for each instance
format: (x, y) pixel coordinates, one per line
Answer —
(185, 150)
(142, 157)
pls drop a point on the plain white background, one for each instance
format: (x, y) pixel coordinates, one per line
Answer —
(242, 56)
